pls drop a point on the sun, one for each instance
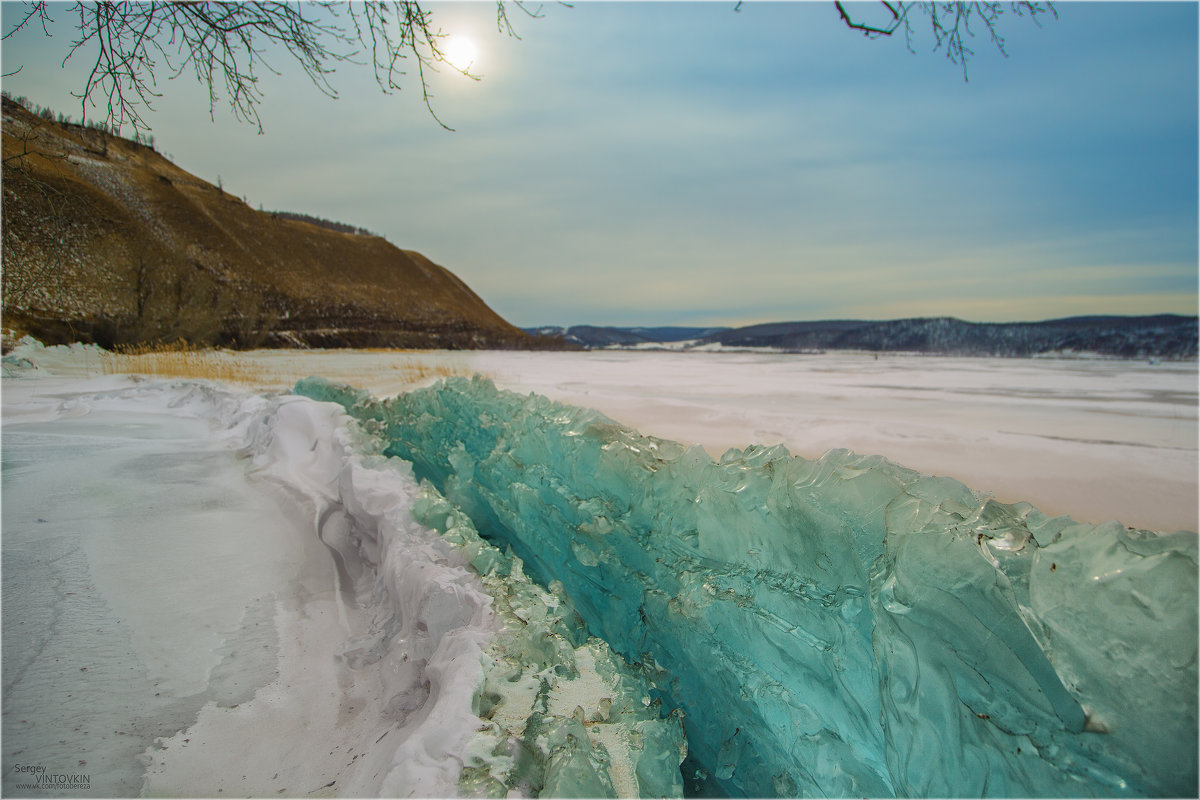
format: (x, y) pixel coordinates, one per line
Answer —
(459, 52)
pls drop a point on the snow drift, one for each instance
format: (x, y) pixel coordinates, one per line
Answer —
(839, 626)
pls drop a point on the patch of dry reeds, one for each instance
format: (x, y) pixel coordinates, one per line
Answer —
(181, 360)
(416, 371)
(184, 360)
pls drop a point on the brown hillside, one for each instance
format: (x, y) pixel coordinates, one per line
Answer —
(105, 240)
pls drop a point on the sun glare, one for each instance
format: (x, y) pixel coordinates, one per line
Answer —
(459, 52)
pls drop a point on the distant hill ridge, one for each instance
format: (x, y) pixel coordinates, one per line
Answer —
(591, 336)
(106, 240)
(1158, 336)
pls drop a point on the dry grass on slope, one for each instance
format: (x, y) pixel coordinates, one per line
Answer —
(110, 240)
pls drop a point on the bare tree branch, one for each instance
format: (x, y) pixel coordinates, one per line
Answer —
(865, 28)
(34, 10)
(226, 47)
(502, 23)
(950, 22)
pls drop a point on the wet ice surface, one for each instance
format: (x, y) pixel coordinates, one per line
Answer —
(132, 592)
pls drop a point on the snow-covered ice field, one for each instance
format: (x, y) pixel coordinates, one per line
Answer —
(172, 604)
(1095, 439)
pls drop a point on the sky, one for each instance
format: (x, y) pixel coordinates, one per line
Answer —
(691, 164)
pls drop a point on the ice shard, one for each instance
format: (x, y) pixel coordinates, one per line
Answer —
(839, 626)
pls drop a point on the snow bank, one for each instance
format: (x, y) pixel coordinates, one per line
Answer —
(390, 649)
(138, 572)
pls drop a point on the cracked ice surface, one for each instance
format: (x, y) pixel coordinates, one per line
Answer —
(838, 626)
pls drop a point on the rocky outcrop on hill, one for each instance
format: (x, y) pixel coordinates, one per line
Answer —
(107, 241)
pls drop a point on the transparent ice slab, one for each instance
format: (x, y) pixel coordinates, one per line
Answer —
(839, 626)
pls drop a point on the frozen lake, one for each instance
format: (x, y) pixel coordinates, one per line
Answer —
(1096, 439)
(164, 614)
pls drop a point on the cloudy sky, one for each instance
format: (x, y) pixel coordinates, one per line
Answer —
(686, 163)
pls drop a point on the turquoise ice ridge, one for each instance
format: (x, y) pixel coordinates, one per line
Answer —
(560, 715)
(839, 626)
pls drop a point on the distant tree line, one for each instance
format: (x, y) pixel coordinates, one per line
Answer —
(103, 126)
(340, 227)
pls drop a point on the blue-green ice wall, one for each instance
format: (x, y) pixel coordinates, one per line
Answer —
(843, 626)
